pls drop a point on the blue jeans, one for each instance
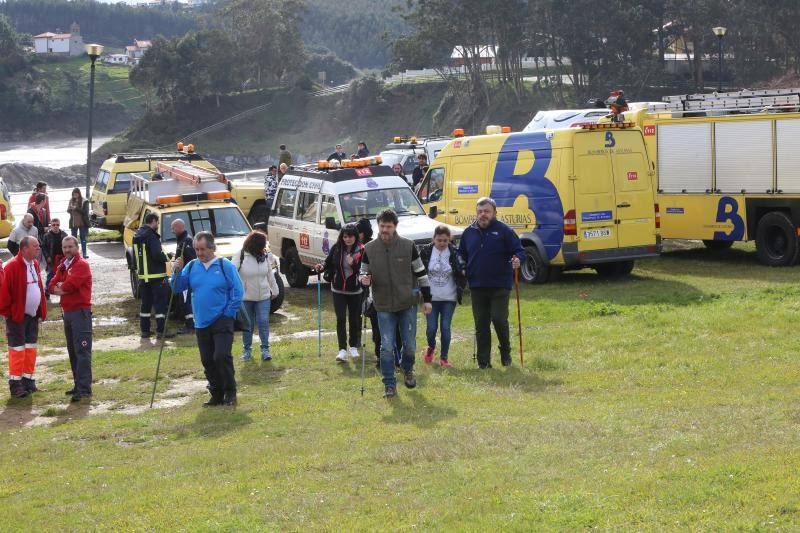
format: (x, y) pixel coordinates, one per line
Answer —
(445, 311)
(84, 231)
(388, 324)
(259, 315)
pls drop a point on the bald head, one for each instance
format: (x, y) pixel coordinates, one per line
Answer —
(177, 226)
(27, 220)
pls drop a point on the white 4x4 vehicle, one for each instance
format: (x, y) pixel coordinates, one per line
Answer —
(314, 201)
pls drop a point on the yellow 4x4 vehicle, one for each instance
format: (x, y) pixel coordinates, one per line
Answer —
(6, 218)
(109, 197)
(199, 197)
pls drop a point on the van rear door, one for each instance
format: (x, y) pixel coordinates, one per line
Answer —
(634, 191)
(595, 197)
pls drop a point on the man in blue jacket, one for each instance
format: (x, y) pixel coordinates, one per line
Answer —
(216, 297)
(491, 250)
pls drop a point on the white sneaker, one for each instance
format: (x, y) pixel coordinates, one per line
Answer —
(354, 352)
(342, 357)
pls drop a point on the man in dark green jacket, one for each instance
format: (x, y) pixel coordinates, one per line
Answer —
(392, 267)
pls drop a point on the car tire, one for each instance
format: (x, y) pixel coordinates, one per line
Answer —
(258, 213)
(616, 269)
(296, 272)
(534, 269)
(135, 287)
(277, 302)
(718, 245)
(776, 241)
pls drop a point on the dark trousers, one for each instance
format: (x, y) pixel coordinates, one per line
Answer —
(490, 306)
(78, 331)
(154, 297)
(215, 343)
(348, 308)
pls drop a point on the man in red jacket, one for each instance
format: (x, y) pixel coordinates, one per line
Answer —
(73, 282)
(22, 303)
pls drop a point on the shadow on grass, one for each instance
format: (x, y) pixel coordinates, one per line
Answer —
(215, 421)
(260, 372)
(735, 263)
(418, 411)
(17, 413)
(511, 377)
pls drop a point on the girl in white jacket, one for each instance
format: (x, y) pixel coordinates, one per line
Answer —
(254, 264)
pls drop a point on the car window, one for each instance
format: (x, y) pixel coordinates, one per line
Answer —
(223, 222)
(565, 116)
(329, 209)
(122, 181)
(307, 207)
(432, 186)
(284, 206)
(409, 165)
(229, 222)
(369, 204)
(102, 181)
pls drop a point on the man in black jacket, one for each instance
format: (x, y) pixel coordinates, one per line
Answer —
(51, 250)
(185, 251)
(151, 267)
(420, 170)
(338, 154)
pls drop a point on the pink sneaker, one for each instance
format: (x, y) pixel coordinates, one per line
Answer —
(429, 354)
(444, 363)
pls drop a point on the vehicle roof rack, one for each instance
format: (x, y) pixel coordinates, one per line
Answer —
(127, 157)
(179, 178)
(336, 175)
(730, 103)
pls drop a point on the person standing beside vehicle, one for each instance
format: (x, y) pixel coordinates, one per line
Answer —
(22, 303)
(363, 151)
(392, 267)
(254, 264)
(491, 251)
(39, 214)
(341, 268)
(184, 248)
(25, 228)
(78, 209)
(284, 158)
(397, 168)
(151, 267)
(73, 283)
(41, 188)
(447, 278)
(270, 187)
(419, 170)
(217, 297)
(51, 251)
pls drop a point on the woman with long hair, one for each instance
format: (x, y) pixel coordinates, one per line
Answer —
(254, 263)
(341, 269)
(78, 209)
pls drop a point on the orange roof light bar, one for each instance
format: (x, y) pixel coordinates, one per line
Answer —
(608, 126)
(458, 132)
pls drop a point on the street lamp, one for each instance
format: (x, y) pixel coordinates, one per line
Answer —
(720, 32)
(94, 51)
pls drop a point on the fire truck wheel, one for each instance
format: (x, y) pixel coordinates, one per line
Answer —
(776, 241)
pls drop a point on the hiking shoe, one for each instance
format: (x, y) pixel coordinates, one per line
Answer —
(429, 351)
(30, 385)
(409, 380)
(354, 352)
(17, 389)
(77, 397)
(506, 362)
(185, 330)
(246, 355)
(342, 357)
(70, 392)
(444, 363)
(146, 335)
(485, 367)
(213, 402)
(230, 400)
(390, 392)
(162, 335)
(265, 356)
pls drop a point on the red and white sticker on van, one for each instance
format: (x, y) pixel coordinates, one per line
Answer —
(363, 172)
(650, 130)
(633, 176)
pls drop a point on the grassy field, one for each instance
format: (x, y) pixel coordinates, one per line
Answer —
(666, 401)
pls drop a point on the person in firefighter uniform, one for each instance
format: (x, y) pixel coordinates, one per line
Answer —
(22, 303)
(151, 267)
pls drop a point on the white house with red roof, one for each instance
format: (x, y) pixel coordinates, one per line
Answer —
(137, 50)
(68, 44)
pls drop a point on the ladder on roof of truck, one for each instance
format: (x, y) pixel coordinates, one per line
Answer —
(730, 103)
(186, 171)
(178, 178)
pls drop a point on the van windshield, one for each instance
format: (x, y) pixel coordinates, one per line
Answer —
(223, 222)
(369, 204)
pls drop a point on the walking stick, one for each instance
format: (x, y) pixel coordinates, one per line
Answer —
(319, 316)
(163, 340)
(519, 317)
(363, 343)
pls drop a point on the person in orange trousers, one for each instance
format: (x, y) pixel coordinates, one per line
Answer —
(22, 303)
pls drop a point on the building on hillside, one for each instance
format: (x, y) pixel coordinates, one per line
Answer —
(115, 59)
(137, 50)
(485, 52)
(66, 44)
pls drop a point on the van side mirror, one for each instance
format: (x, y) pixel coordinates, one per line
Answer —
(330, 223)
(433, 212)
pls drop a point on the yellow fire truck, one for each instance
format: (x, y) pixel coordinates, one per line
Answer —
(728, 168)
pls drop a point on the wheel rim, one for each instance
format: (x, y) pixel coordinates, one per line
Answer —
(777, 243)
(291, 271)
(530, 268)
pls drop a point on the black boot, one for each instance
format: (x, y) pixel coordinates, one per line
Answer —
(230, 399)
(30, 385)
(17, 388)
(213, 402)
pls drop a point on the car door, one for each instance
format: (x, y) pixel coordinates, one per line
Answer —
(633, 190)
(465, 185)
(281, 221)
(595, 200)
(327, 237)
(432, 190)
(309, 245)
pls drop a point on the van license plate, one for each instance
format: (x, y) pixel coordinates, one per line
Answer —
(596, 233)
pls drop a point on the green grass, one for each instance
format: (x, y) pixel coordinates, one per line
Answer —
(666, 401)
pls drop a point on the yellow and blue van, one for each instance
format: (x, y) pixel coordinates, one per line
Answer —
(578, 197)
(6, 217)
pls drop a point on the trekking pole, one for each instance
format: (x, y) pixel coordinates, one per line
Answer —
(363, 343)
(163, 341)
(519, 317)
(319, 316)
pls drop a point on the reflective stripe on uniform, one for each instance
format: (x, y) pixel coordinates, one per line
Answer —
(142, 271)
